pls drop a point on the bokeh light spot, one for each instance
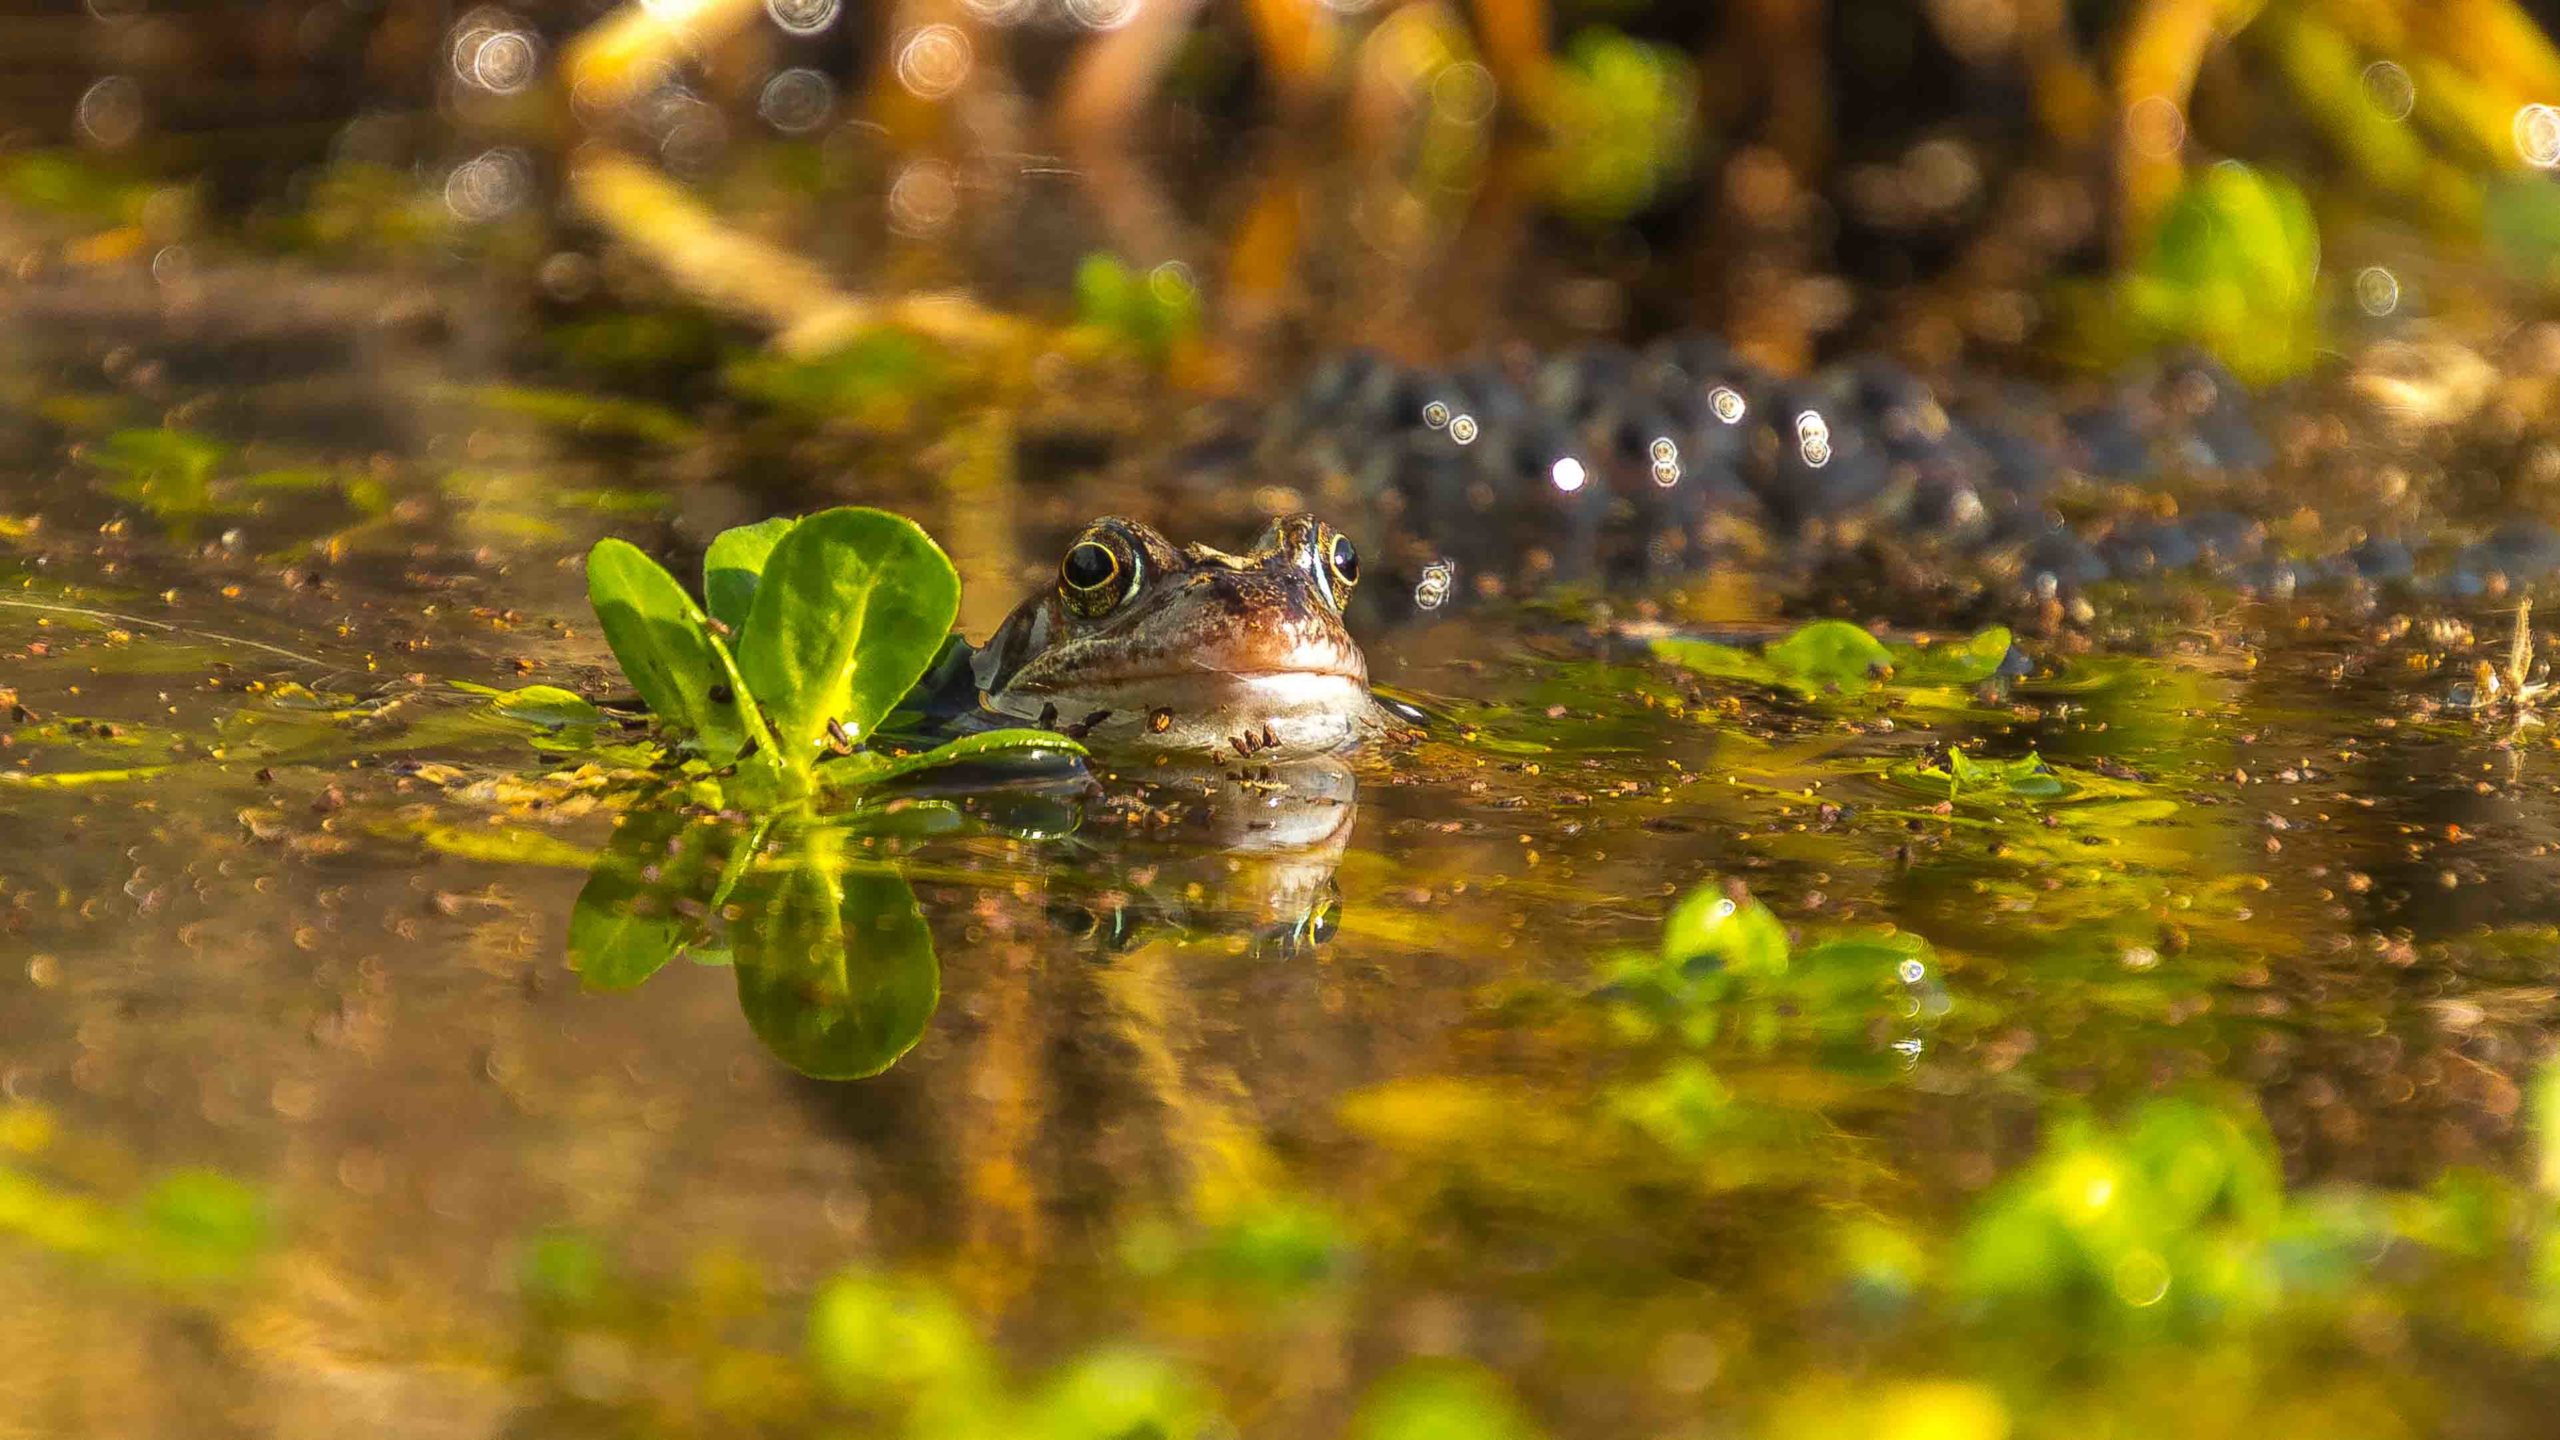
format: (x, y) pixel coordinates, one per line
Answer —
(1102, 14)
(1438, 579)
(803, 17)
(2537, 135)
(2156, 127)
(2377, 290)
(110, 112)
(923, 199)
(2389, 89)
(933, 61)
(797, 101)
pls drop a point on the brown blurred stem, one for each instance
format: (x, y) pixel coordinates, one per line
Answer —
(1514, 37)
(735, 272)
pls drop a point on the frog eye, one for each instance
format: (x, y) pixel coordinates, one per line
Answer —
(1336, 563)
(1343, 559)
(1097, 574)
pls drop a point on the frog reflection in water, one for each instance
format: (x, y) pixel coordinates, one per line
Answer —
(1144, 645)
(1240, 853)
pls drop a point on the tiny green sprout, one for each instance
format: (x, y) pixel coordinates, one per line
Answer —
(809, 634)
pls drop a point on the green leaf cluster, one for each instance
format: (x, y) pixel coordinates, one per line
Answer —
(809, 633)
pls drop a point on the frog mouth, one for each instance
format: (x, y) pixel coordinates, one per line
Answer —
(1208, 687)
(1203, 673)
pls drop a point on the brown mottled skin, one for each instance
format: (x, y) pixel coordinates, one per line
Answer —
(1189, 648)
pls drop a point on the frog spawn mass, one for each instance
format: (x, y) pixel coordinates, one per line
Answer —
(1614, 467)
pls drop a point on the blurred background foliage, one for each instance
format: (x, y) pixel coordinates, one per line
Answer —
(1214, 189)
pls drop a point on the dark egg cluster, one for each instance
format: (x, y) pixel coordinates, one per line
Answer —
(1612, 465)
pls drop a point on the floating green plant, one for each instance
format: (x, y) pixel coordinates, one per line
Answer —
(1833, 657)
(833, 617)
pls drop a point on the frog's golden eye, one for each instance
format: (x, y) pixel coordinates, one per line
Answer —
(1097, 574)
(1343, 559)
(1334, 561)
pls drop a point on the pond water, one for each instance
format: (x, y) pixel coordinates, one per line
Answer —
(2143, 1039)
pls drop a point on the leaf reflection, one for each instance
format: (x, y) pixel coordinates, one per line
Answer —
(835, 965)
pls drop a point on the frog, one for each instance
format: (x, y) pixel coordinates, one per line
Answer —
(1142, 645)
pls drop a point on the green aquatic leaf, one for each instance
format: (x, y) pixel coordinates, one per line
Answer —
(2026, 776)
(1711, 928)
(70, 182)
(1830, 653)
(851, 608)
(873, 767)
(2521, 224)
(192, 1228)
(2022, 777)
(1964, 662)
(835, 965)
(293, 479)
(545, 705)
(1267, 1247)
(497, 844)
(169, 472)
(644, 900)
(732, 565)
(1883, 949)
(159, 452)
(77, 779)
(658, 637)
(1828, 657)
(1714, 661)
